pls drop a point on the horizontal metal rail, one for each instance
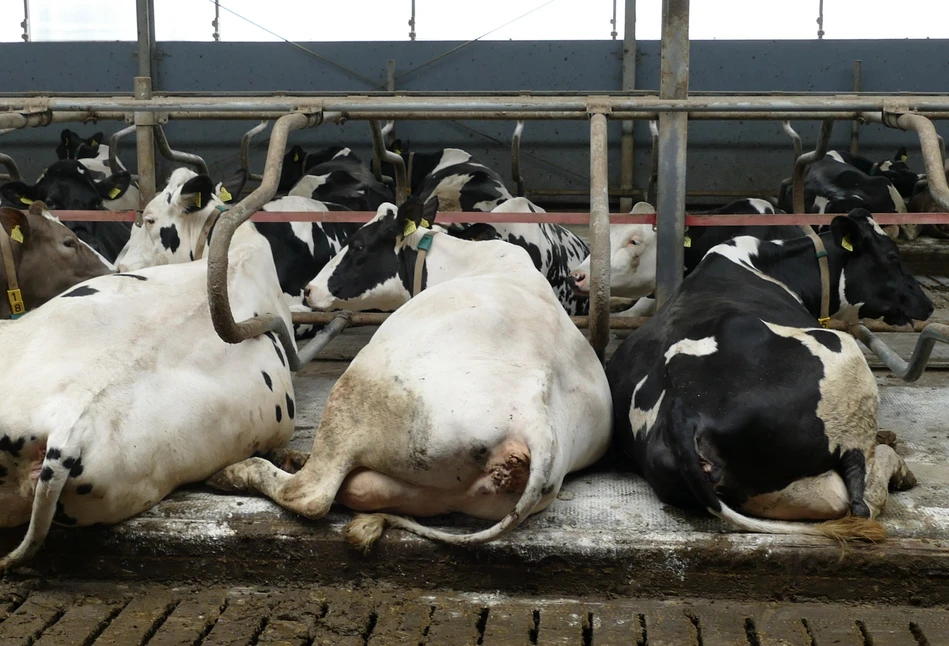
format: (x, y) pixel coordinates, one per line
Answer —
(533, 218)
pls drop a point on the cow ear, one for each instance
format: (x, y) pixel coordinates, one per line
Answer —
(410, 216)
(15, 223)
(851, 231)
(65, 137)
(114, 186)
(229, 189)
(476, 232)
(96, 139)
(85, 151)
(196, 193)
(429, 212)
(296, 155)
(396, 146)
(901, 155)
(19, 193)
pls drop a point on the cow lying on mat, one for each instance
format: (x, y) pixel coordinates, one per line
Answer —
(734, 399)
(120, 391)
(477, 395)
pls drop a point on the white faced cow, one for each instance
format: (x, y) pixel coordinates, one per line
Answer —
(139, 395)
(477, 396)
(733, 399)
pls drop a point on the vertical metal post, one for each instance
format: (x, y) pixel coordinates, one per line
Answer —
(627, 157)
(820, 21)
(614, 34)
(855, 126)
(412, 22)
(26, 21)
(216, 23)
(144, 136)
(673, 135)
(599, 236)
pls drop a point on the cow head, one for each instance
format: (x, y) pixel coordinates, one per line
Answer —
(632, 260)
(66, 185)
(371, 270)
(898, 172)
(72, 146)
(874, 282)
(49, 257)
(297, 162)
(173, 220)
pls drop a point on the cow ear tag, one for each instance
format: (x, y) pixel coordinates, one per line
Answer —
(904, 158)
(114, 193)
(687, 241)
(225, 195)
(16, 235)
(25, 199)
(197, 200)
(845, 243)
(95, 144)
(409, 229)
(426, 224)
(296, 157)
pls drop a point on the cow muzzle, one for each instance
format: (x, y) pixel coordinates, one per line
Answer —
(579, 282)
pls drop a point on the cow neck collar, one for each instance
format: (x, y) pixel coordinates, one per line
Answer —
(423, 247)
(14, 296)
(823, 266)
(206, 230)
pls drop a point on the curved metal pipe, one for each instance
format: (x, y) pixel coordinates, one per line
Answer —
(221, 316)
(245, 149)
(913, 369)
(806, 159)
(795, 138)
(380, 154)
(10, 165)
(654, 171)
(177, 155)
(516, 158)
(114, 147)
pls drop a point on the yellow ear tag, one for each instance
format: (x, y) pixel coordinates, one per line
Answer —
(197, 200)
(408, 190)
(409, 229)
(904, 158)
(95, 143)
(426, 224)
(225, 195)
(687, 241)
(296, 157)
(16, 235)
(114, 193)
(845, 243)
(397, 151)
(26, 200)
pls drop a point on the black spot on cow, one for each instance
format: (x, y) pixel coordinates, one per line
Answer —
(11, 447)
(291, 409)
(84, 489)
(74, 465)
(276, 347)
(168, 198)
(191, 255)
(267, 380)
(278, 412)
(169, 238)
(53, 454)
(826, 338)
(46, 474)
(546, 491)
(135, 276)
(83, 290)
(61, 517)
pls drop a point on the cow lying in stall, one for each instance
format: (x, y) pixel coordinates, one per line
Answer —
(477, 395)
(47, 258)
(734, 399)
(140, 395)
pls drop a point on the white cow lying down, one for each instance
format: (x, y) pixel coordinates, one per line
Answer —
(120, 391)
(478, 395)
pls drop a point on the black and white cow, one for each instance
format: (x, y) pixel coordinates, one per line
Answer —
(297, 162)
(458, 180)
(735, 400)
(345, 180)
(92, 154)
(896, 170)
(140, 395)
(72, 146)
(69, 185)
(173, 222)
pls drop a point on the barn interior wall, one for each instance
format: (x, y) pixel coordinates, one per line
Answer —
(723, 156)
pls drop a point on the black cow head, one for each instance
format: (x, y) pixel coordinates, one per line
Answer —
(67, 185)
(297, 162)
(873, 279)
(898, 172)
(72, 146)
(371, 270)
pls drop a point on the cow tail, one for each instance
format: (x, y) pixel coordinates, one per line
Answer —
(684, 430)
(50, 485)
(365, 529)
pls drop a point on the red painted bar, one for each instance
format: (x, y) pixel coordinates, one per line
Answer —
(559, 218)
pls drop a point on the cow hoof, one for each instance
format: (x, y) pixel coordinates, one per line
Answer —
(860, 509)
(902, 479)
(290, 460)
(364, 530)
(886, 437)
(228, 479)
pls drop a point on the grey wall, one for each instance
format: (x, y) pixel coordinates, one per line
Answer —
(735, 156)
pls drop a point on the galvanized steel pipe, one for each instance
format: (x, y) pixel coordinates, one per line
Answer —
(516, 158)
(177, 155)
(382, 154)
(114, 147)
(803, 161)
(144, 143)
(12, 170)
(599, 236)
(913, 369)
(245, 149)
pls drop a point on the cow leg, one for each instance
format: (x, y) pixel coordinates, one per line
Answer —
(822, 497)
(853, 469)
(289, 460)
(887, 471)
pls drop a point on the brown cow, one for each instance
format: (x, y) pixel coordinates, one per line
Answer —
(48, 257)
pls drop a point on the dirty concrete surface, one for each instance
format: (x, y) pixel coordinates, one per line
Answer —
(595, 555)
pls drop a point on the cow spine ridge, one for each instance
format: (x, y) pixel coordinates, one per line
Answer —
(45, 500)
(366, 529)
(684, 431)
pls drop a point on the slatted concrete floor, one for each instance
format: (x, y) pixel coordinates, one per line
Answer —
(107, 613)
